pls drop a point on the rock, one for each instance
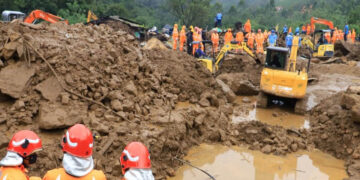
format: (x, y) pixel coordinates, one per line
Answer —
(230, 95)
(12, 82)
(251, 131)
(349, 100)
(3, 140)
(355, 113)
(353, 90)
(57, 116)
(50, 89)
(116, 105)
(19, 104)
(324, 136)
(204, 102)
(266, 149)
(246, 100)
(131, 88)
(90, 40)
(199, 119)
(128, 105)
(244, 88)
(294, 147)
(275, 114)
(65, 99)
(117, 94)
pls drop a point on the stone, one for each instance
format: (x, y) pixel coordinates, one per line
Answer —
(19, 104)
(266, 149)
(12, 82)
(128, 105)
(65, 99)
(324, 136)
(50, 89)
(246, 100)
(204, 102)
(251, 131)
(116, 105)
(353, 89)
(244, 88)
(56, 116)
(294, 147)
(355, 113)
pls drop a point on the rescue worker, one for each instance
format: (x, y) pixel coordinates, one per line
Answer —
(288, 41)
(77, 145)
(215, 41)
(349, 36)
(303, 29)
(250, 39)
(218, 20)
(297, 30)
(259, 42)
(228, 36)
(272, 39)
(285, 30)
(334, 37)
(182, 38)
(175, 36)
(290, 30)
(346, 32)
(327, 37)
(21, 153)
(239, 38)
(247, 27)
(135, 162)
(353, 36)
(308, 29)
(189, 40)
(265, 35)
(196, 40)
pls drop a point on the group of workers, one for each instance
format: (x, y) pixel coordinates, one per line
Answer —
(77, 162)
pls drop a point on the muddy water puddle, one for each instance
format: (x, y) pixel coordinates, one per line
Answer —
(235, 163)
(280, 116)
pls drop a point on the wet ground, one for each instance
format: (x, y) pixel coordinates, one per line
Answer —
(226, 163)
(274, 115)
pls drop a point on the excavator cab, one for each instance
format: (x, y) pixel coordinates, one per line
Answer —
(11, 15)
(323, 48)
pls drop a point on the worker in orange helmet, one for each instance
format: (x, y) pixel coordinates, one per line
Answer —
(328, 37)
(175, 36)
(340, 35)
(196, 40)
(250, 39)
(247, 26)
(228, 36)
(182, 38)
(77, 145)
(215, 41)
(303, 29)
(308, 29)
(259, 42)
(21, 153)
(201, 39)
(240, 39)
(135, 162)
(334, 37)
(353, 36)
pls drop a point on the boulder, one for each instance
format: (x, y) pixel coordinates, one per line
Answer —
(50, 89)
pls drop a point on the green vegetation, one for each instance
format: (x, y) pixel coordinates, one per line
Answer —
(263, 13)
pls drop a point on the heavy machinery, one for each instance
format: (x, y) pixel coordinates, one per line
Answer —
(39, 14)
(281, 80)
(11, 15)
(91, 17)
(213, 64)
(322, 49)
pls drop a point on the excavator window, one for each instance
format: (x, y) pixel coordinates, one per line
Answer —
(276, 59)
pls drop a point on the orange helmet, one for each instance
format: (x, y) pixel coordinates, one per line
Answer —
(78, 141)
(135, 155)
(229, 29)
(25, 143)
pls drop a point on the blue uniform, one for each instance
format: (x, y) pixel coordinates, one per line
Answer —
(218, 19)
(346, 32)
(297, 30)
(272, 39)
(288, 40)
(285, 29)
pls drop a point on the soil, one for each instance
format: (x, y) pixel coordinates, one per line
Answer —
(102, 78)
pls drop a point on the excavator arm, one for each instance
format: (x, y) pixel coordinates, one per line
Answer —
(307, 42)
(228, 47)
(39, 14)
(315, 20)
(91, 16)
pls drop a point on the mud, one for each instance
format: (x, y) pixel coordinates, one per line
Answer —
(240, 163)
(102, 77)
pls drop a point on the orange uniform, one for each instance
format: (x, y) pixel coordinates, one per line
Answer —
(197, 38)
(215, 41)
(308, 29)
(353, 36)
(303, 28)
(182, 38)
(290, 30)
(240, 37)
(228, 37)
(328, 37)
(266, 35)
(175, 36)
(334, 37)
(247, 26)
(60, 174)
(349, 36)
(259, 43)
(16, 173)
(251, 38)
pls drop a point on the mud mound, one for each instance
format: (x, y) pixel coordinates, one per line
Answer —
(154, 43)
(335, 127)
(351, 51)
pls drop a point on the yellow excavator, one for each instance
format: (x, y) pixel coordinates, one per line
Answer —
(91, 16)
(322, 49)
(213, 64)
(281, 80)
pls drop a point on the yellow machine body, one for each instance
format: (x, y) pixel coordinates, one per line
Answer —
(322, 50)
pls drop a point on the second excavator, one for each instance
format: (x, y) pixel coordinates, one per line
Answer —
(39, 14)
